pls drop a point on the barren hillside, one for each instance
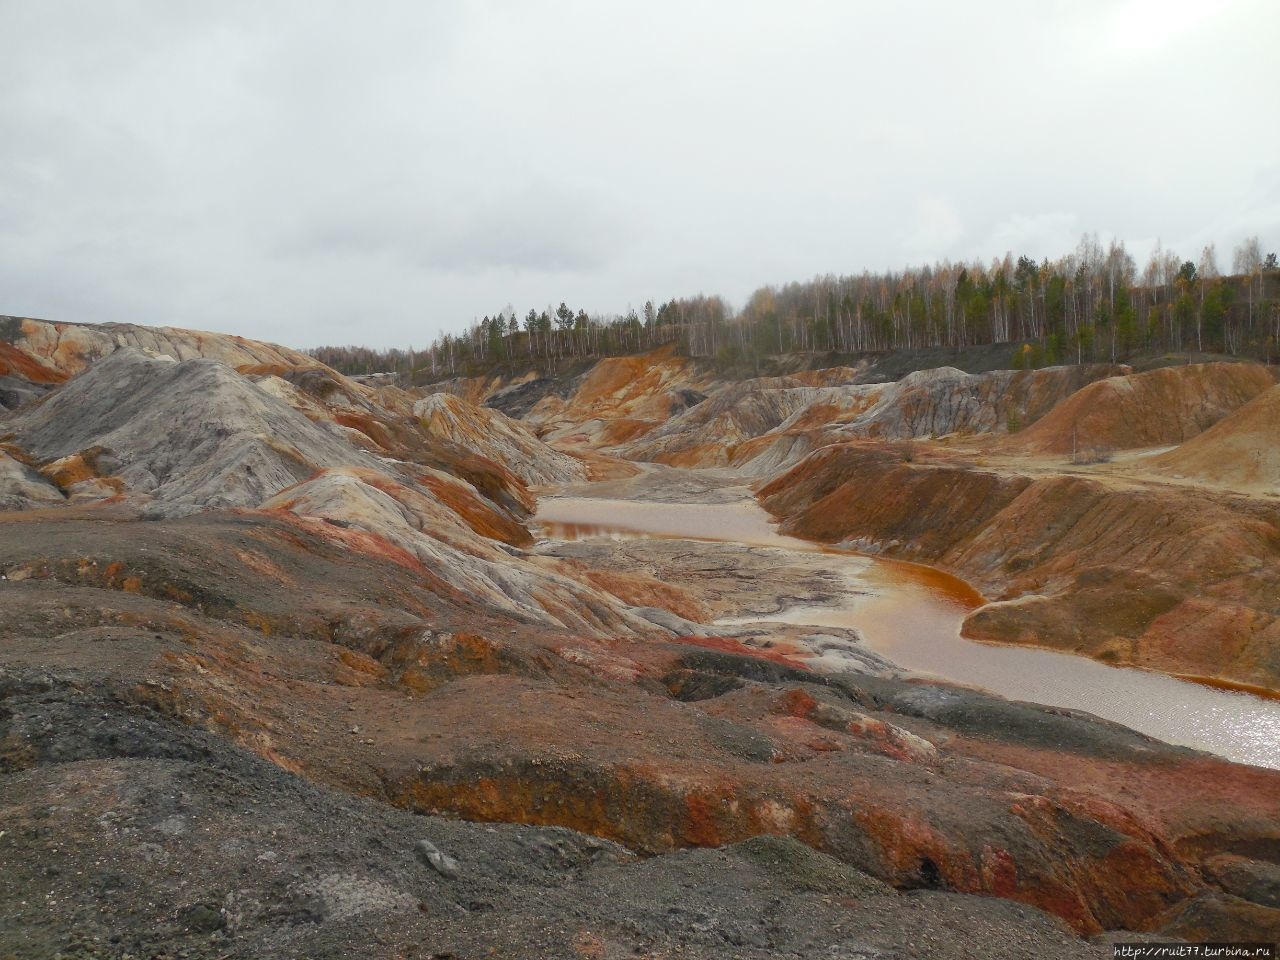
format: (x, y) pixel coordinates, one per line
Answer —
(1166, 406)
(1241, 450)
(254, 611)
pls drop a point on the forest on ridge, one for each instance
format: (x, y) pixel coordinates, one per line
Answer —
(1093, 303)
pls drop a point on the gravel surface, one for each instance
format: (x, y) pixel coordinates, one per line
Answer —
(125, 835)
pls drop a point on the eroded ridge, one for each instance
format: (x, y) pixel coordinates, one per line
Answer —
(257, 614)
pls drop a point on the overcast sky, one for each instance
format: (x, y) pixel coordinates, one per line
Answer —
(375, 172)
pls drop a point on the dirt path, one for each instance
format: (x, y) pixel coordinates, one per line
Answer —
(1122, 469)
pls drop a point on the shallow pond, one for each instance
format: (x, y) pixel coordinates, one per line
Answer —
(913, 614)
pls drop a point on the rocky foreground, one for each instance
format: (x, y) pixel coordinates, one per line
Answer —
(284, 673)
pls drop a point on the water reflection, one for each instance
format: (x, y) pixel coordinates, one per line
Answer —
(912, 614)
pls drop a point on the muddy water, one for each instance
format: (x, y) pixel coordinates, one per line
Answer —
(913, 614)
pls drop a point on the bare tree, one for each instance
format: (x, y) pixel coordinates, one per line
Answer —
(1247, 261)
(1206, 272)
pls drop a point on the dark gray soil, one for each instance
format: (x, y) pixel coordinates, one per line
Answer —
(123, 834)
(14, 392)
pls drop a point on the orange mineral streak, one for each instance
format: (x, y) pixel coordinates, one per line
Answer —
(908, 845)
(999, 872)
(636, 806)
(701, 826)
(626, 397)
(355, 669)
(372, 428)
(478, 514)
(261, 565)
(643, 590)
(797, 703)
(623, 430)
(18, 363)
(72, 469)
(264, 370)
(450, 656)
(826, 376)
(700, 455)
(603, 467)
(728, 645)
(359, 540)
(542, 802)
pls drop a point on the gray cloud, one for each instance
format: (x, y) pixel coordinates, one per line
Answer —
(380, 172)
(535, 227)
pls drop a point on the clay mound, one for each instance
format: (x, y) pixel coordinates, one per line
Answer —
(68, 348)
(448, 536)
(926, 403)
(380, 421)
(193, 435)
(705, 435)
(22, 488)
(421, 525)
(942, 401)
(497, 437)
(1242, 449)
(499, 389)
(518, 397)
(776, 451)
(322, 389)
(1152, 409)
(644, 390)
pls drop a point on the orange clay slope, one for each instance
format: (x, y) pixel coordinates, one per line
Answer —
(1181, 579)
(1152, 409)
(1242, 450)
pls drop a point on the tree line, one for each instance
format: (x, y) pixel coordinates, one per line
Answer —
(554, 334)
(1093, 303)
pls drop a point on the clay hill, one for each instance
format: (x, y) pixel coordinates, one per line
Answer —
(760, 425)
(1241, 450)
(1157, 408)
(285, 669)
(1054, 491)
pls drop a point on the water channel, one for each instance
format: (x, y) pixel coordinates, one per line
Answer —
(912, 614)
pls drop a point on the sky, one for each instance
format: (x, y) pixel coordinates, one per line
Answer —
(377, 173)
